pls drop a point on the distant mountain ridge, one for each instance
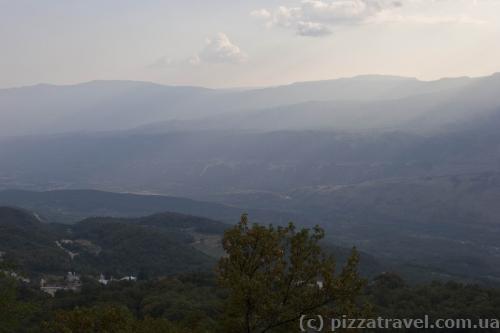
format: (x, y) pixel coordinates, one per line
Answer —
(409, 106)
(119, 105)
(70, 206)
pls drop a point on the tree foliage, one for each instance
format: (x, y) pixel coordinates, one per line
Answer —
(275, 275)
(13, 312)
(106, 319)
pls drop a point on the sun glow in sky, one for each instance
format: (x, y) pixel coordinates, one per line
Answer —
(232, 43)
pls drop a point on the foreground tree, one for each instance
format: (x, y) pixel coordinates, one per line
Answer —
(277, 275)
(13, 312)
(106, 319)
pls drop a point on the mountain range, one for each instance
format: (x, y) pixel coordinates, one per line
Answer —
(357, 103)
(404, 169)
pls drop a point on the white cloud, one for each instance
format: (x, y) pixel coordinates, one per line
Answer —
(261, 14)
(313, 29)
(341, 11)
(320, 17)
(219, 49)
(420, 19)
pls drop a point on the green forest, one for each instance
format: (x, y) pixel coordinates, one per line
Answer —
(267, 280)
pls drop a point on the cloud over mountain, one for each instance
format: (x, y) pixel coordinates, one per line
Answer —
(219, 49)
(318, 17)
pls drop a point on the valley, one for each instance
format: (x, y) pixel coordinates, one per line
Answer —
(417, 188)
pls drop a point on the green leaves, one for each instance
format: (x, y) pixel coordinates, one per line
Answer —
(107, 319)
(13, 312)
(277, 274)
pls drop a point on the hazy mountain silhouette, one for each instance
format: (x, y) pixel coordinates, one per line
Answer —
(112, 105)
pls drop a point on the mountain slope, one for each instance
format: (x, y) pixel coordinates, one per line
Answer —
(92, 106)
(129, 249)
(152, 246)
(117, 105)
(422, 111)
(70, 206)
(104, 245)
(204, 164)
(429, 227)
(29, 243)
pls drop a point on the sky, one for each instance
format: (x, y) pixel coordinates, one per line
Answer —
(235, 43)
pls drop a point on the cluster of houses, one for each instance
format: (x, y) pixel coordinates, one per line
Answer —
(102, 280)
(72, 282)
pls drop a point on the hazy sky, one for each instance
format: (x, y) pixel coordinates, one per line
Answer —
(226, 43)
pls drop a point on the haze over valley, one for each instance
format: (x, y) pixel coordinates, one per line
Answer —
(254, 166)
(384, 163)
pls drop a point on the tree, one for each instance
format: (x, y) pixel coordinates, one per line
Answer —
(276, 275)
(13, 313)
(97, 319)
(109, 319)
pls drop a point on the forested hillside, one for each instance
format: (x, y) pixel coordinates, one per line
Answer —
(154, 246)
